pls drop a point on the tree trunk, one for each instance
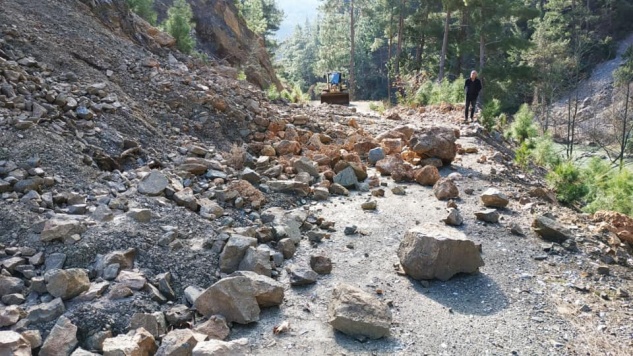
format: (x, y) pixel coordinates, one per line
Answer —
(400, 35)
(444, 46)
(352, 53)
(389, 45)
(624, 119)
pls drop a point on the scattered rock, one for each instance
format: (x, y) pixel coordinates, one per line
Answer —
(301, 276)
(428, 175)
(215, 328)
(551, 230)
(234, 252)
(13, 344)
(178, 342)
(67, 283)
(488, 215)
(321, 264)
(154, 323)
(369, 205)
(62, 339)
(431, 251)
(454, 217)
(445, 189)
(219, 348)
(153, 184)
(239, 297)
(135, 342)
(58, 229)
(358, 314)
(493, 198)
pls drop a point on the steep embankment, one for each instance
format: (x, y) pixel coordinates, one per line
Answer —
(225, 35)
(120, 203)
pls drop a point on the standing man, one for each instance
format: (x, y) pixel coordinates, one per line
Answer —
(472, 87)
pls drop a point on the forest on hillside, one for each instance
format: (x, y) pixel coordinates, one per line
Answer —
(525, 50)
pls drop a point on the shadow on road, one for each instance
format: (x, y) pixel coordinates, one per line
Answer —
(476, 294)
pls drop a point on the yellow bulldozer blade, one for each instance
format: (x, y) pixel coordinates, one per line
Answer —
(335, 98)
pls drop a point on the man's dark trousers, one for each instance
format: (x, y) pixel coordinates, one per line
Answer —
(472, 101)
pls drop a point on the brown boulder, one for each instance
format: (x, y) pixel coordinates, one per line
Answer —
(618, 223)
(428, 175)
(435, 142)
(445, 189)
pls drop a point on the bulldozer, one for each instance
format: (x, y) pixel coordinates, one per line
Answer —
(336, 91)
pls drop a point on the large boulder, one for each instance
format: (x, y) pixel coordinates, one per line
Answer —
(493, 198)
(435, 142)
(433, 251)
(358, 314)
(13, 344)
(62, 339)
(234, 251)
(551, 230)
(239, 297)
(67, 283)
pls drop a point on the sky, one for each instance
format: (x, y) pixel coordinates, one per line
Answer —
(296, 13)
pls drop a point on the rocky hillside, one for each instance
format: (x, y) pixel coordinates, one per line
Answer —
(154, 204)
(225, 35)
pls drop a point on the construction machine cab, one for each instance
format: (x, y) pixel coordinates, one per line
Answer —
(336, 91)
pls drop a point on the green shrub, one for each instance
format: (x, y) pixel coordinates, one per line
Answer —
(272, 93)
(179, 24)
(241, 75)
(145, 9)
(523, 126)
(609, 188)
(432, 93)
(378, 107)
(522, 155)
(567, 181)
(544, 153)
(489, 114)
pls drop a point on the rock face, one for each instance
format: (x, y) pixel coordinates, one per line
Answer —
(551, 230)
(358, 314)
(435, 142)
(493, 198)
(431, 251)
(239, 297)
(223, 33)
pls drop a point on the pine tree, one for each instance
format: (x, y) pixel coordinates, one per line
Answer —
(179, 24)
(145, 9)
